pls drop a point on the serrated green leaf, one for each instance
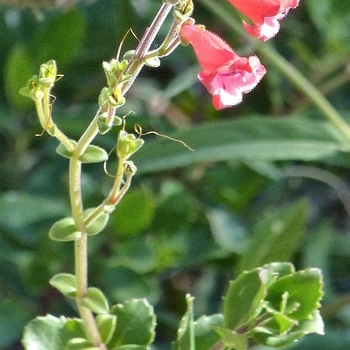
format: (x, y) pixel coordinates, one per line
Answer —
(205, 336)
(261, 138)
(275, 339)
(106, 325)
(96, 225)
(65, 283)
(45, 333)
(96, 301)
(299, 304)
(75, 328)
(64, 230)
(185, 334)
(136, 323)
(94, 154)
(232, 339)
(243, 298)
(283, 228)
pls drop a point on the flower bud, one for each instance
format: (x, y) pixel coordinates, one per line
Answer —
(48, 73)
(127, 145)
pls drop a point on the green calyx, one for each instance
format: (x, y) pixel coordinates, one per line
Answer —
(127, 144)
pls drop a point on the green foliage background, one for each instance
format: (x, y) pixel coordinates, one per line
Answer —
(268, 180)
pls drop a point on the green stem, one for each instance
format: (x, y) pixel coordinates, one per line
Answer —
(88, 136)
(80, 251)
(299, 80)
(113, 195)
(48, 124)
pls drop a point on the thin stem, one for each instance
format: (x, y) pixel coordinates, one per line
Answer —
(43, 109)
(299, 80)
(80, 252)
(137, 61)
(117, 183)
(152, 30)
(89, 134)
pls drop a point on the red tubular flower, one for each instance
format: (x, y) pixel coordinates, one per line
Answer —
(264, 14)
(225, 75)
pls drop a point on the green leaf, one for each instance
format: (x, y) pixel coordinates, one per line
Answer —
(232, 339)
(63, 151)
(66, 283)
(94, 154)
(17, 72)
(45, 333)
(299, 304)
(312, 325)
(96, 301)
(79, 344)
(63, 35)
(64, 230)
(136, 323)
(284, 229)
(96, 225)
(185, 334)
(243, 298)
(134, 213)
(255, 138)
(75, 328)
(205, 336)
(227, 231)
(106, 325)
(153, 62)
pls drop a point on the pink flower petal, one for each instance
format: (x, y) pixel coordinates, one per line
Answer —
(265, 15)
(225, 75)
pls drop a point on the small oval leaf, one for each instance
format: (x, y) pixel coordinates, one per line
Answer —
(96, 225)
(96, 301)
(94, 154)
(79, 344)
(63, 151)
(106, 325)
(66, 283)
(64, 230)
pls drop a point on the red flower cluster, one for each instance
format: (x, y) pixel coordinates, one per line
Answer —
(226, 75)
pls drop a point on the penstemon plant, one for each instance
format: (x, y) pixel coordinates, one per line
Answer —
(272, 305)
